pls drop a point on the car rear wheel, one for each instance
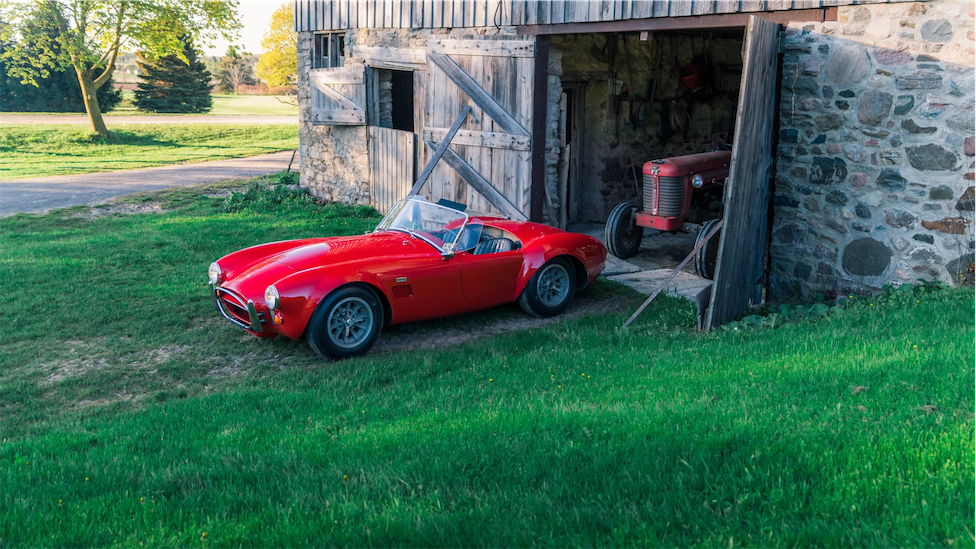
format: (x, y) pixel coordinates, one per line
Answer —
(550, 290)
(623, 235)
(346, 323)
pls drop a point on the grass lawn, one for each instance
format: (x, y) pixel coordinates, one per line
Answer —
(44, 150)
(131, 414)
(225, 104)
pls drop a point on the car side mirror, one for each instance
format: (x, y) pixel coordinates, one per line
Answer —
(448, 251)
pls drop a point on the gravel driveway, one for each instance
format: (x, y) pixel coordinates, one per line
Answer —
(40, 194)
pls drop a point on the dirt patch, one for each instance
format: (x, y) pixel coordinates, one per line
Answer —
(467, 328)
(122, 209)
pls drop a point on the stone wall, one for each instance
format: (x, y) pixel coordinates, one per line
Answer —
(874, 166)
(334, 163)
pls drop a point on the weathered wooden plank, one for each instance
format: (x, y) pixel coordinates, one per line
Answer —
(477, 94)
(726, 6)
(742, 247)
(557, 12)
(339, 118)
(641, 9)
(379, 56)
(594, 12)
(493, 140)
(703, 7)
(747, 6)
(679, 9)
(349, 74)
(523, 110)
(480, 184)
(660, 8)
(531, 12)
(498, 48)
(626, 9)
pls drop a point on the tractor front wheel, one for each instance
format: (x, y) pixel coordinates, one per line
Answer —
(623, 235)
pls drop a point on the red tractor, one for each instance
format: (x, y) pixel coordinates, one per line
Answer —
(683, 193)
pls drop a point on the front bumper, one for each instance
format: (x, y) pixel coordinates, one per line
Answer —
(234, 308)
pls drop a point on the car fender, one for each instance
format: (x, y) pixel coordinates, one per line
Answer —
(300, 293)
(587, 251)
(234, 263)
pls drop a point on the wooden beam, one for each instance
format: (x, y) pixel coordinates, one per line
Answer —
(439, 151)
(480, 184)
(483, 48)
(492, 140)
(477, 94)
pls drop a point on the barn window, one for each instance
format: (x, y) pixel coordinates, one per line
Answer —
(392, 105)
(329, 50)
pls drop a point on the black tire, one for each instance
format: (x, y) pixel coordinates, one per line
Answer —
(550, 290)
(346, 323)
(623, 235)
(707, 256)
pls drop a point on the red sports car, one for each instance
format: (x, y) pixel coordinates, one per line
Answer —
(423, 261)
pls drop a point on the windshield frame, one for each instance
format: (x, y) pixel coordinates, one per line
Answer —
(392, 222)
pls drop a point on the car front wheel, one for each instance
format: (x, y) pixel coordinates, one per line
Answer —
(346, 323)
(550, 290)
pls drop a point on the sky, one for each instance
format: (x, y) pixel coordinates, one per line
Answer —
(255, 16)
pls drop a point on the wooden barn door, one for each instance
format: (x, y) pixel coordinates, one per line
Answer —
(391, 156)
(338, 96)
(737, 284)
(495, 76)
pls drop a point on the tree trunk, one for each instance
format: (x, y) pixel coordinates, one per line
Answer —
(88, 90)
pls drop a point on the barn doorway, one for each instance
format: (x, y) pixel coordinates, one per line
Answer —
(680, 100)
(391, 135)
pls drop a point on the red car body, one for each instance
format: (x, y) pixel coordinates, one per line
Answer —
(415, 280)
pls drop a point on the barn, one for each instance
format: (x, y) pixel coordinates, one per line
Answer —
(851, 124)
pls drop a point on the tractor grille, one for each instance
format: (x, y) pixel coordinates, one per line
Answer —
(666, 193)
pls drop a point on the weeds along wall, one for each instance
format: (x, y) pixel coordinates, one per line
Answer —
(874, 167)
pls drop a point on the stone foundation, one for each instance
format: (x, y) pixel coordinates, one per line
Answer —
(874, 166)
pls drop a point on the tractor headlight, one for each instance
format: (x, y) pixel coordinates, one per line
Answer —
(697, 181)
(271, 297)
(214, 274)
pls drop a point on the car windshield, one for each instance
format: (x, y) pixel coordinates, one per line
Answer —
(436, 224)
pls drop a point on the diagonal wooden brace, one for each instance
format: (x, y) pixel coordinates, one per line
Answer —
(439, 152)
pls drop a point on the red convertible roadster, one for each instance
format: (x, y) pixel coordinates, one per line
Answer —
(423, 261)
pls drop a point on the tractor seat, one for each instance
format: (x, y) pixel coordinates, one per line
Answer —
(493, 246)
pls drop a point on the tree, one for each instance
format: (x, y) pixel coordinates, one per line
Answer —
(171, 84)
(234, 71)
(89, 34)
(280, 59)
(58, 92)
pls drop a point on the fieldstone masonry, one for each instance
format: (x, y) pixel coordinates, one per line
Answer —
(875, 164)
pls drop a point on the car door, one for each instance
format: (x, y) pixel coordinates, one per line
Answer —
(421, 284)
(489, 279)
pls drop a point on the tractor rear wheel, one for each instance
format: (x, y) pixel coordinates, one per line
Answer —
(707, 256)
(623, 235)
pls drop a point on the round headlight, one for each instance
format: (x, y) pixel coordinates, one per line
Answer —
(214, 273)
(271, 297)
(697, 181)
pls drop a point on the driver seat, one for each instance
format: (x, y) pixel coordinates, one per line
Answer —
(494, 245)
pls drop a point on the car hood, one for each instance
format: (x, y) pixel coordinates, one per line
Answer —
(343, 249)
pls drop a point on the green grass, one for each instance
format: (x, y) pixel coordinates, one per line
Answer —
(46, 150)
(227, 104)
(131, 415)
